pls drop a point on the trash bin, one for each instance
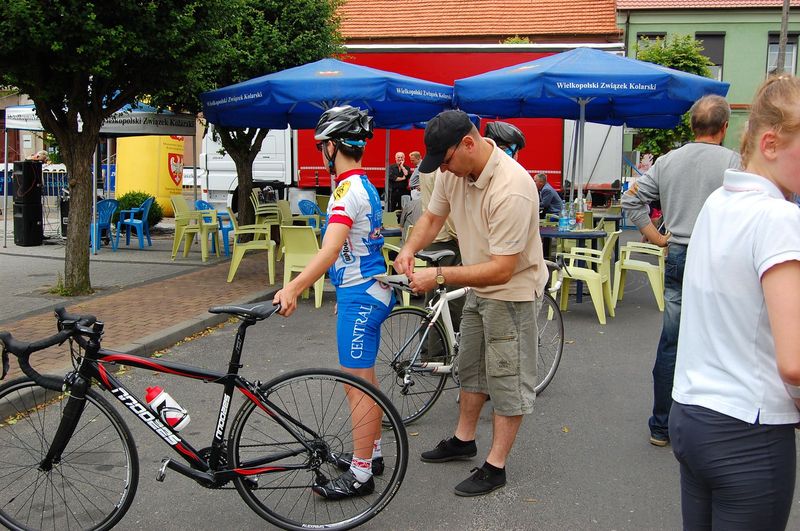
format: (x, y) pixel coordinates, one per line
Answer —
(63, 210)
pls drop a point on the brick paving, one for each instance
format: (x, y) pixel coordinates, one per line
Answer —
(140, 319)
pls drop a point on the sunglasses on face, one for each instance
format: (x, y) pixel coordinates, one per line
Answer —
(446, 161)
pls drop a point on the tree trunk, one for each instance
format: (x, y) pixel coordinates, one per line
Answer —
(77, 152)
(243, 145)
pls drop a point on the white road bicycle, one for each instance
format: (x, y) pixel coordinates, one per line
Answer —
(419, 347)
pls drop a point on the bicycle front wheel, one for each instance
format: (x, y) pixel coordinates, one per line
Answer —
(550, 326)
(93, 484)
(316, 403)
(411, 388)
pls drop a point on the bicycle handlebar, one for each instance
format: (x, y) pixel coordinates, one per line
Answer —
(69, 325)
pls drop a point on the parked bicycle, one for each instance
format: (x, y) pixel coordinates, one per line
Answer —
(419, 347)
(70, 462)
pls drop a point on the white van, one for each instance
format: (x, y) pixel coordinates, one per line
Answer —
(217, 172)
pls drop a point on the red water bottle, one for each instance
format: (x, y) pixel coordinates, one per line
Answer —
(168, 410)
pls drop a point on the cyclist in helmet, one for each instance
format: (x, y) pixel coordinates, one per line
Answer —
(351, 253)
(507, 137)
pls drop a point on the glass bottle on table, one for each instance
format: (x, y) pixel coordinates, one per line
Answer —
(579, 214)
(572, 216)
(563, 218)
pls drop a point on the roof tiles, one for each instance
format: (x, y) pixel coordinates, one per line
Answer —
(390, 19)
(624, 5)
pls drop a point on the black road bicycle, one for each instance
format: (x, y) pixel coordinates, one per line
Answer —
(69, 460)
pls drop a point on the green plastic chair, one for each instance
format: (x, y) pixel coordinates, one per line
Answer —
(598, 280)
(287, 218)
(655, 272)
(241, 247)
(189, 223)
(299, 247)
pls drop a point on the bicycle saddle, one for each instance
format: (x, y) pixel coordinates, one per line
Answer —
(434, 256)
(258, 311)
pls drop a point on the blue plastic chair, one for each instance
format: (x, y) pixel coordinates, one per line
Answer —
(224, 228)
(310, 208)
(136, 219)
(105, 210)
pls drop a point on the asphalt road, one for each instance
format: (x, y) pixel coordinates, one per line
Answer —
(581, 461)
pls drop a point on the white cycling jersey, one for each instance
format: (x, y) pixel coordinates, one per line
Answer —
(356, 203)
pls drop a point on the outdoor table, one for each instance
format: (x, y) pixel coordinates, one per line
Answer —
(580, 236)
(616, 218)
(392, 231)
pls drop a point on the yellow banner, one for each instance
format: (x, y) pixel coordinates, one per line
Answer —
(151, 164)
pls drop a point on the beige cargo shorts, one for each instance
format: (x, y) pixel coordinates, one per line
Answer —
(499, 351)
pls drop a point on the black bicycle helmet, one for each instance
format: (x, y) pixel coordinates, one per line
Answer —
(344, 123)
(505, 134)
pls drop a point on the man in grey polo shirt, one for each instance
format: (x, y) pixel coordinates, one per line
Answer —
(493, 204)
(682, 180)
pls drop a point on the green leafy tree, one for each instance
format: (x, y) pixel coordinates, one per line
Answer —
(516, 39)
(81, 61)
(680, 52)
(269, 36)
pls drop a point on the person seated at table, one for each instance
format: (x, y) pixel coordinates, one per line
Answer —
(549, 200)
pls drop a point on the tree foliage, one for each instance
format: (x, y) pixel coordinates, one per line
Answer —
(78, 58)
(269, 36)
(680, 52)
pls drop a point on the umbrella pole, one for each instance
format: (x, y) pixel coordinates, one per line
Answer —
(387, 190)
(573, 163)
(581, 131)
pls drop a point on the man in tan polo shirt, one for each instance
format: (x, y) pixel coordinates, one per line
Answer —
(494, 206)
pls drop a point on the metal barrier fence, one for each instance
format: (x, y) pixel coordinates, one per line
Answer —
(54, 181)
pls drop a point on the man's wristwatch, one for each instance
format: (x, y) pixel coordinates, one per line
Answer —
(439, 276)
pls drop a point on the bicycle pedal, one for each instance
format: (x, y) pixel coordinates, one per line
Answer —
(162, 472)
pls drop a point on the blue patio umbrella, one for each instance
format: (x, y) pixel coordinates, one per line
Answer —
(585, 84)
(296, 97)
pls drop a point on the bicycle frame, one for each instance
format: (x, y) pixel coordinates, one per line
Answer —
(205, 471)
(441, 308)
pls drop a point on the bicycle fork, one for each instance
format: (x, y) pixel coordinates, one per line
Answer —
(76, 387)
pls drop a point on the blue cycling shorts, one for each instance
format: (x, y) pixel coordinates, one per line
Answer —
(361, 311)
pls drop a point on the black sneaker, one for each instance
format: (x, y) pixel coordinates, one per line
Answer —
(343, 461)
(446, 450)
(345, 486)
(481, 482)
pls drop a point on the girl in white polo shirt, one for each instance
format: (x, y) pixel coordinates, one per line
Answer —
(737, 374)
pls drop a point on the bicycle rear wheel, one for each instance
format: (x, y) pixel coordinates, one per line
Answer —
(550, 326)
(401, 334)
(317, 399)
(93, 484)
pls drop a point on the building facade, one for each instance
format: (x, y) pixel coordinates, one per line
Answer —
(740, 38)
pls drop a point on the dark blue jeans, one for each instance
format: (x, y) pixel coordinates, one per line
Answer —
(734, 475)
(664, 368)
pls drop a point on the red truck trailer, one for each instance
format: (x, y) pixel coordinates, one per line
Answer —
(443, 64)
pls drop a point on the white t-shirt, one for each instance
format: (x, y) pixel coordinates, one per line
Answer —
(726, 353)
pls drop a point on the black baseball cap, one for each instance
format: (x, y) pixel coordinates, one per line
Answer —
(443, 131)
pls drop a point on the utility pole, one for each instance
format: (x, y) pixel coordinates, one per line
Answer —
(782, 40)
